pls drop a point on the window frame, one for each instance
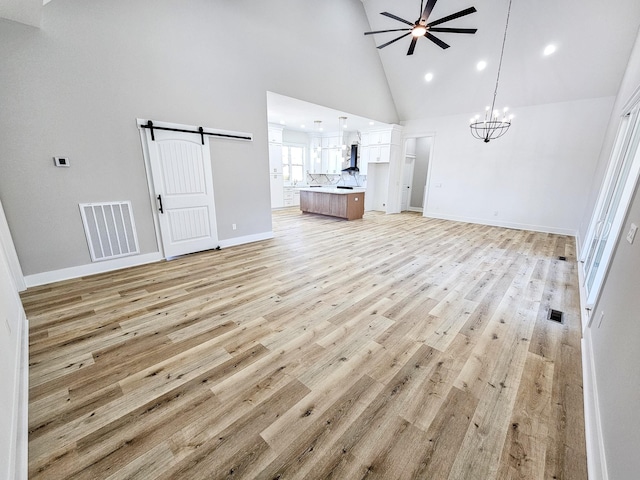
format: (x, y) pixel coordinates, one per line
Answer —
(287, 163)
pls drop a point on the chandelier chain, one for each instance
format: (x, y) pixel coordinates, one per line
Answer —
(504, 40)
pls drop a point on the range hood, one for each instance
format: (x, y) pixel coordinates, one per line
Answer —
(353, 164)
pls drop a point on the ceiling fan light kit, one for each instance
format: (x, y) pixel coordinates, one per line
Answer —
(423, 28)
(492, 126)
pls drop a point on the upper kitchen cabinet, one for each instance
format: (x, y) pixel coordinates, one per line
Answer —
(315, 155)
(378, 146)
(275, 158)
(275, 150)
(331, 141)
(331, 160)
(376, 154)
(275, 134)
(326, 154)
(275, 166)
(377, 137)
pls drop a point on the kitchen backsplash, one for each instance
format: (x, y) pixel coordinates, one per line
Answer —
(337, 179)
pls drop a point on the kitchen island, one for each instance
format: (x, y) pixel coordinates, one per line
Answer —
(333, 201)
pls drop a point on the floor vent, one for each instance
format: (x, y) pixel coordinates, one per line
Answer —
(110, 230)
(555, 315)
(564, 259)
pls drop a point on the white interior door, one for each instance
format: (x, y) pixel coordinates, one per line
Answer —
(183, 184)
(407, 179)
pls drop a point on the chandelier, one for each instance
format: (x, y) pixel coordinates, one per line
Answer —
(495, 124)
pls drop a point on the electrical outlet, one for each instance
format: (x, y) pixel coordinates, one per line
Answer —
(632, 233)
(601, 318)
(233, 225)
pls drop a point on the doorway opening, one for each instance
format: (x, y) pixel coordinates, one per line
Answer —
(415, 172)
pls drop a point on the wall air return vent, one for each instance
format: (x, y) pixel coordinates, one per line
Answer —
(110, 230)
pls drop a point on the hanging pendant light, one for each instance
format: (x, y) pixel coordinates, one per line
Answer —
(342, 125)
(495, 123)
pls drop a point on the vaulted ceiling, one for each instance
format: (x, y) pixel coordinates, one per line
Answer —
(593, 40)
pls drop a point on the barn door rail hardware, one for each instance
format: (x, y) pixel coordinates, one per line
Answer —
(200, 131)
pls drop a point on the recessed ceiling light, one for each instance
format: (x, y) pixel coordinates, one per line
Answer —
(428, 77)
(302, 126)
(481, 65)
(282, 122)
(549, 49)
(372, 123)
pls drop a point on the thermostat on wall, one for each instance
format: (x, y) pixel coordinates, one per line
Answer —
(61, 161)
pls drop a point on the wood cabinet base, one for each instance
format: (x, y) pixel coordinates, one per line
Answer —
(342, 205)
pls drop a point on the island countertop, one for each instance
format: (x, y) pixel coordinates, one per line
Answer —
(341, 191)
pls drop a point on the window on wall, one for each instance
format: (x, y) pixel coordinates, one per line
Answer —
(293, 163)
(613, 202)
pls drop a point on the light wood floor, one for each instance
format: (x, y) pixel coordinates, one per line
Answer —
(390, 347)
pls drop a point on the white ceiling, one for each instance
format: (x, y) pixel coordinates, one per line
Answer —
(295, 113)
(594, 40)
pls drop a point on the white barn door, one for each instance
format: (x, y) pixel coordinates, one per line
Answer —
(183, 184)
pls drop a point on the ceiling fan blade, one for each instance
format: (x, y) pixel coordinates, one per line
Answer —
(427, 10)
(412, 47)
(453, 30)
(394, 40)
(436, 40)
(395, 17)
(461, 13)
(385, 31)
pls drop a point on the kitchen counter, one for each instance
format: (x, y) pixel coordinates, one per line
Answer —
(332, 201)
(340, 191)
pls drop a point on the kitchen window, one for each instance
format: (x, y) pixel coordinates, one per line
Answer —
(293, 163)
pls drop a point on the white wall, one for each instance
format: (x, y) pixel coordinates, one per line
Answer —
(612, 347)
(24, 11)
(630, 83)
(615, 352)
(76, 86)
(12, 404)
(536, 176)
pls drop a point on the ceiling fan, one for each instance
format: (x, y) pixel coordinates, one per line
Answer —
(423, 29)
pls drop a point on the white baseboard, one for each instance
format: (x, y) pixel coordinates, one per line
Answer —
(257, 237)
(91, 269)
(596, 458)
(497, 223)
(124, 262)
